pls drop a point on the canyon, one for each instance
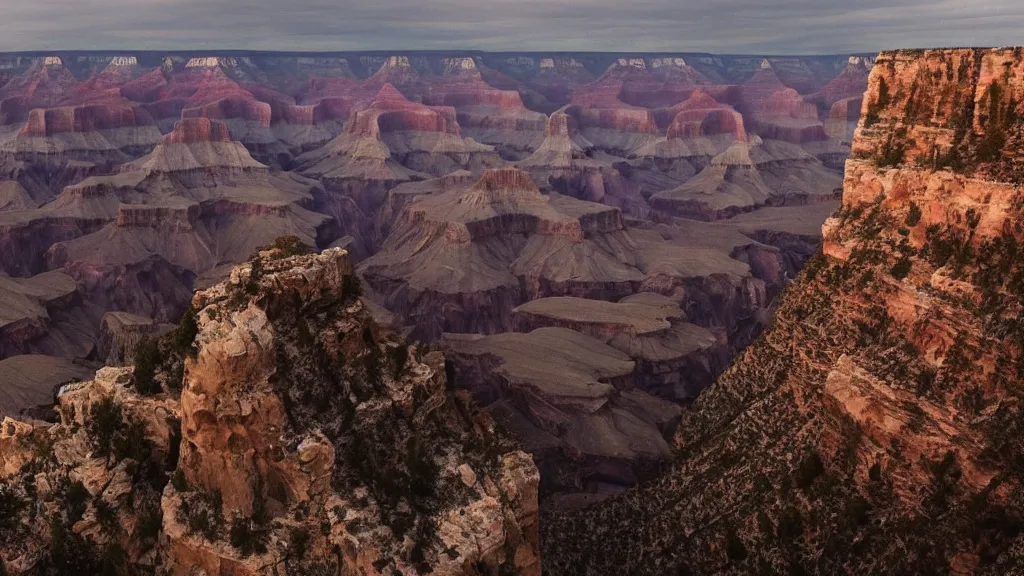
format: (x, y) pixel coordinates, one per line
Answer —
(872, 429)
(464, 187)
(378, 313)
(512, 314)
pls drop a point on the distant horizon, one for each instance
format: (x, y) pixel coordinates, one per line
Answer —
(735, 27)
(441, 51)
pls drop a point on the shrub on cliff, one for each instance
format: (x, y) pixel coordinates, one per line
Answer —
(147, 360)
(105, 424)
(76, 500)
(351, 289)
(69, 553)
(286, 247)
(115, 436)
(203, 513)
(185, 333)
(298, 541)
(914, 215)
(246, 538)
(734, 547)
(11, 506)
(901, 268)
(810, 468)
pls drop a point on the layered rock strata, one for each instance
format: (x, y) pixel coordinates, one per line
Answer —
(873, 428)
(571, 401)
(675, 360)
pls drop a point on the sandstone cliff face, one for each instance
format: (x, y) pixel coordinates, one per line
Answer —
(262, 426)
(873, 428)
(83, 496)
(309, 439)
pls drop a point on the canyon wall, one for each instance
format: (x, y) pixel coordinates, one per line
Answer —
(874, 427)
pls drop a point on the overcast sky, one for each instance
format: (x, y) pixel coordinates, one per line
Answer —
(736, 26)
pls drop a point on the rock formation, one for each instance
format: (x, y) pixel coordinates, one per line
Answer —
(407, 131)
(460, 258)
(570, 401)
(127, 181)
(120, 336)
(391, 141)
(674, 359)
(488, 115)
(459, 261)
(299, 443)
(45, 314)
(874, 427)
(747, 176)
(136, 241)
(30, 382)
(99, 133)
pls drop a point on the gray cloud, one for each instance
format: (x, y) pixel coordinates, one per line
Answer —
(737, 26)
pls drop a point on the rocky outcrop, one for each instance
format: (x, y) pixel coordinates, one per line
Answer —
(403, 474)
(29, 383)
(748, 176)
(392, 141)
(487, 114)
(13, 196)
(258, 430)
(880, 407)
(94, 476)
(45, 83)
(848, 84)
(461, 259)
(45, 314)
(565, 163)
(198, 201)
(435, 257)
(675, 360)
(143, 177)
(121, 333)
(572, 403)
(194, 144)
(101, 133)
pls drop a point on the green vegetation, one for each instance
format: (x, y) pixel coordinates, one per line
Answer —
(351, 289)
(287, 247)
(165, 355)
(184, 336)
(11, 506)
(901, 268)
(203, 513)
(116, 437)
(734, 547)
(791, 524)
(894, 151)
(399, 358)
(69, 553)
(913, 215)
(178, 481)
(298, 541)
(106, 516)
(247, 537)
(811, 467)
(147, 359)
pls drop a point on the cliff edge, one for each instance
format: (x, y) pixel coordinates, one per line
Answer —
(875, 428)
